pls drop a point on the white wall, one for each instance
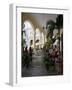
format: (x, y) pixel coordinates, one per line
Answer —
(4, 42)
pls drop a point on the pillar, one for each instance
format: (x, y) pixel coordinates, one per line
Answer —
(34, 40)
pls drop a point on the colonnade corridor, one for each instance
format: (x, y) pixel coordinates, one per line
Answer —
(37, 67)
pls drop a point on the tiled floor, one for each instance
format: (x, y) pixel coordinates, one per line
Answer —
(37, 67)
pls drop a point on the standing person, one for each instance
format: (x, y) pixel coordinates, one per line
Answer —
(26, 58)
(30, 54)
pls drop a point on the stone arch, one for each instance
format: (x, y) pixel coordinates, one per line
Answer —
(29, 18)
(29, 29)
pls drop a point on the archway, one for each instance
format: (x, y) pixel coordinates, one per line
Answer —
(28, 34)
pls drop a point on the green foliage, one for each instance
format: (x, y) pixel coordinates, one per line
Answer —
(50, 25)
(59, 21)
(48, 63)
(49, 41)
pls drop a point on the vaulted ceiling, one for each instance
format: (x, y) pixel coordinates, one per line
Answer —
(39, 20)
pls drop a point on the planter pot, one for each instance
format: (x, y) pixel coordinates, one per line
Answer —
(59, 67)
(51, 68)
(47, 66)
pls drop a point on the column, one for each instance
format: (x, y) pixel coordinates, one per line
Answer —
(44, 38)
(40, 40)
(34, 40)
